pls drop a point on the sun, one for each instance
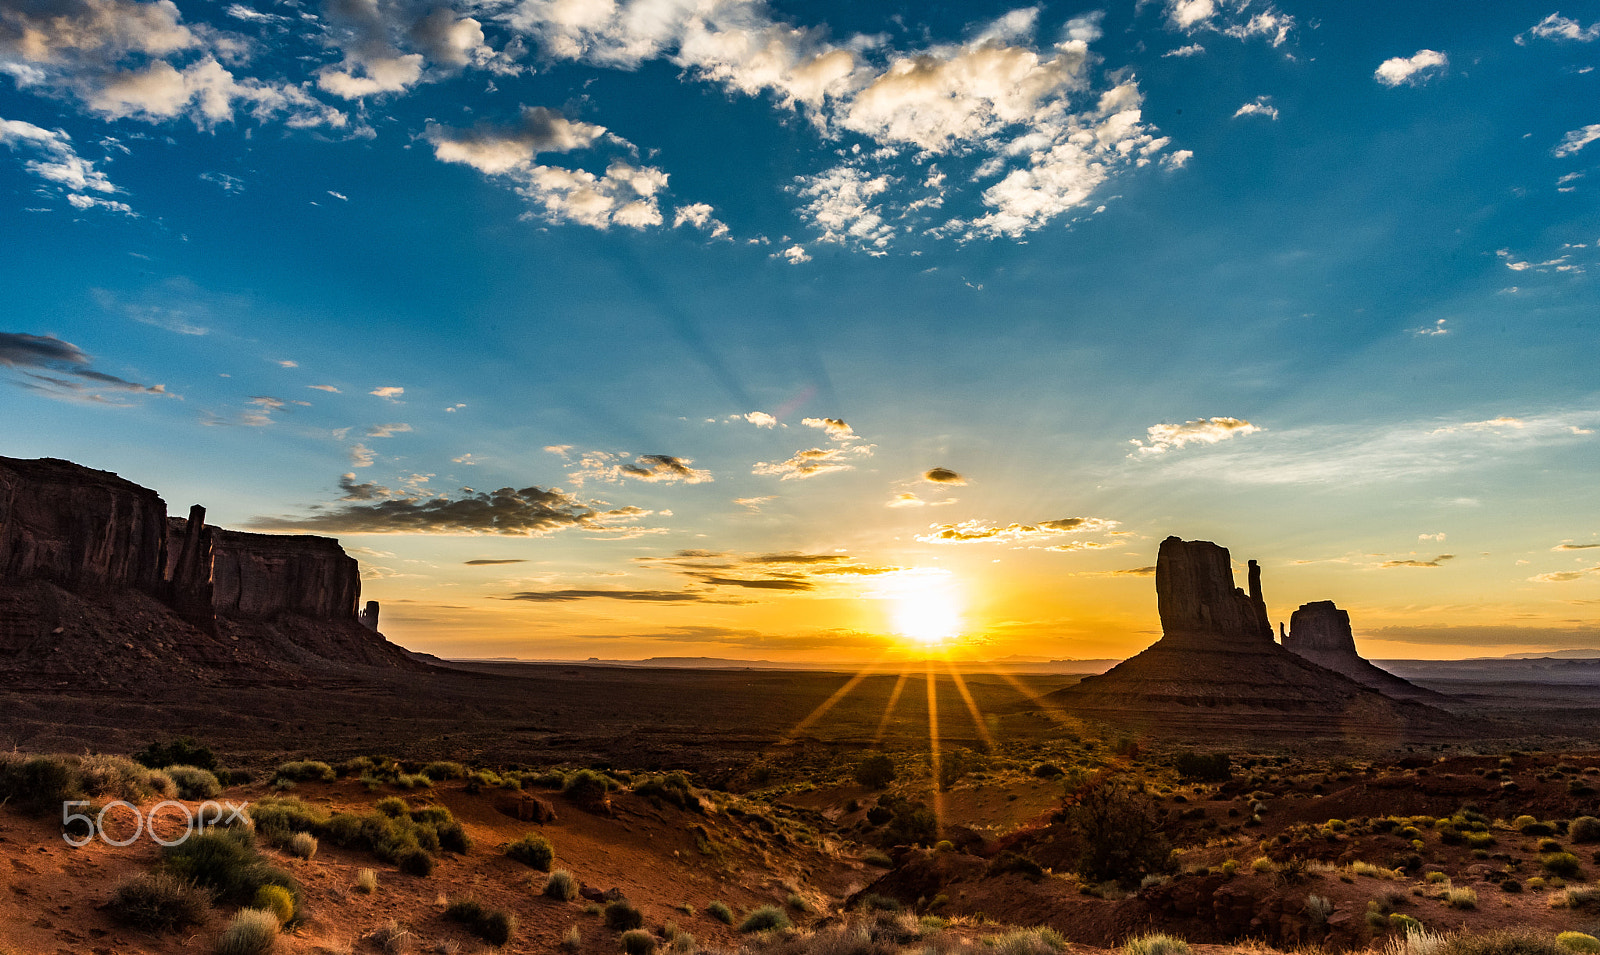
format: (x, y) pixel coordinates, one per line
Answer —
(926, 611)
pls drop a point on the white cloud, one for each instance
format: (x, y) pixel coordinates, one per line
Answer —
(1413, 69)
(1235, 18)
(698, 214)
(328, 388)
(1557, 27)
(388, 430)
(53, 159)
(968, 532)
(390, 392)
(1437, 328)
(362, 456)
(760, 419)
(1167, 437)
(1192, 49)
(650, 468)
(906, 499)
(794, 254)
(1177, 159)
(1260, 106)
(835, 428)
(1576, 139)
(842, 206)
(499, 150)
(813, 462)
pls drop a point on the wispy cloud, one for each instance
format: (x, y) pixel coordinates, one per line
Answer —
(1559, 28)
(1436, 562)
(52, 158)
(1170, 437)
(61, 370)
(1260, 106)
(813, 462)
(967, 532)
(650, 468)
(1575, 140)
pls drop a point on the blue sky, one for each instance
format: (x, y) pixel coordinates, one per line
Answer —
(780, 321)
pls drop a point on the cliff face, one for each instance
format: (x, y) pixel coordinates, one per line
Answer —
(259, 576)
(1197, 599)
(95, 579)
(1218, 670)
(79, 528)
(1320, 628)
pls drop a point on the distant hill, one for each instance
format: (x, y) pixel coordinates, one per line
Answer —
(1006, 664)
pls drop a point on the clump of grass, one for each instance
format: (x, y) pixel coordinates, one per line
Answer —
(159, 902)
(673, 788)
(720, 912)
(1156, 944)
(252, 932)
(1318, 908)
(227, 862)
(763, 919)
(533, 850)
(303, 845)
(1261, 864)
(1563, 864)
(495, 926)
(622, 915)
(367, 881)
(561, 886)
(877, 858)
(277, 900)
(307, 770)
(1579, 942)
(588, 788)
(1461, 898)
(38, 785)
(441, 770)
(1501, 943)
(413, 781)
(572, 941)
(1577, 897)
(1435, 878)
(797, 902)
(638, 942)
(194, 782)
(391, 937)
(1028, 941)
(1584, 829)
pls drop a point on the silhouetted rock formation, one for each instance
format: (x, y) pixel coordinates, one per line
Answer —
(1320, 632)
(95, 579)
(368, 616)
(1217, 669)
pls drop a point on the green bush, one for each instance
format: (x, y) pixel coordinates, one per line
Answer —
(1461, 898)
(1156, 944)
(1028, 941)
(178, 752)
(1584, 829)
(392, 806)
(252, 932)
(227, 862)
(495, 926)
(1202, 767)
(303, 845)
(720, 912)
(443, 770)
(38, 785)
(638, 942)
(533, 850)
(588, 788)
(673, 788)
(159, 902)
(561, 886)
(1121, 831)
(621, 915)
(876, 771)
(1501, 943)
(277, 900)
(194, 782)
(1563, 864)
(1579, 942)
(763, 919)
(306, 770)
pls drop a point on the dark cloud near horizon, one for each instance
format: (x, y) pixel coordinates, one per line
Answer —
(942, 476)
(1436, 562)
(1574, 546)
(774, 582)
(529, 512)
(482, 562)
(791, 572)
(61, 369)
(1563, 638)
(644, 596)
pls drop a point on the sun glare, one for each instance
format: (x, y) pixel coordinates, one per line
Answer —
(926, 610)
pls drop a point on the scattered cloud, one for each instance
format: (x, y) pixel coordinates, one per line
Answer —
(362, 456)
(1168, 437)
(906, 499)
(1192, 49)
(486, 561)
(1234, 18)
(1260, 106)
(974, 531)
(843, 206)
(387, 430)
(813, 462)
(699, 215)
(1417, 68)
(390, 392)
(835, 428)
(650, 468)
(1570, 546)
(1432, 537)
(1437, 328)
(794, 254)
(328, 388)
(1559, 28)
(1436, 562)
(526, 512)
(644, 596)
(52, 158)
(1576, 139)
(754, 504)
(943, 476)
(1566, 576)
(758, 418)
(59, 369)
